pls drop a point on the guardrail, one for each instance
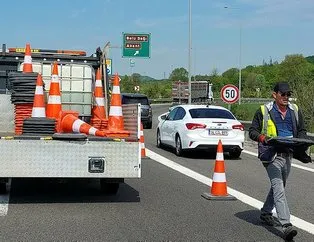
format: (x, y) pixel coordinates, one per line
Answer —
(216, 100)
(161, 100)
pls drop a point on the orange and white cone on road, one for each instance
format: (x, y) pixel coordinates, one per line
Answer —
(27, 64)
(39, 109)
(219, 183)
(142, 142)
(70, 123)
(115, 120)
(54, 99)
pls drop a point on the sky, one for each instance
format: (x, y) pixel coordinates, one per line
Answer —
(225, 34)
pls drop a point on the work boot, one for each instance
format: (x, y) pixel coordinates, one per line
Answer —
(289, 231)
(267, 218)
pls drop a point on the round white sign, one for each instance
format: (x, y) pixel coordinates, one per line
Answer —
(229, 93)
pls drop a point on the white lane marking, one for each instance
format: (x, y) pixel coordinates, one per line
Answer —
(294, 165)
(300, 223)
(4, 202)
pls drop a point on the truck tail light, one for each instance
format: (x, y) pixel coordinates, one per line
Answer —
(192, 126)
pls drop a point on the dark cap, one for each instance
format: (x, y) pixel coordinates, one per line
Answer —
(282, 87)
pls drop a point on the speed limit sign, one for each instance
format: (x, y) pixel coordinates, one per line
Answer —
(229, 93)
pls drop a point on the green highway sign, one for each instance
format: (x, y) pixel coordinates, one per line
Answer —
(136, 45)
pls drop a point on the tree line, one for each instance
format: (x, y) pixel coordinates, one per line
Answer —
(257, 81)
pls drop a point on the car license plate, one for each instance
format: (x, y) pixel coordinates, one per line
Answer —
(218, 132)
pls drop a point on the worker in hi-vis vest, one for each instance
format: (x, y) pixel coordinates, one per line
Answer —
(283, 119)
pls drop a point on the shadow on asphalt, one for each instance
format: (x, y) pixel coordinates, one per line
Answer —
(252, 216)
(39, 190)
(201, 154)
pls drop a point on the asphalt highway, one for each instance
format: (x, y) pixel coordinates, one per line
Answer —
(165, 204)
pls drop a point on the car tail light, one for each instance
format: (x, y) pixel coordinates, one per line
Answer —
(238, 126)
(195, 126)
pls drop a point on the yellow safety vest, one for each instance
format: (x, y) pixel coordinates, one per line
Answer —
(268, 126)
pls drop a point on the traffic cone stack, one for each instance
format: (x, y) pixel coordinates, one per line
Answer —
(38, 124)
(22, 112)
(30, 106)
(54, 99)
(70, 123)
(27, 64)
(219, 184)
(116, 121)
(142, 142)
(98, 119)
(39, 109)
(22, 84)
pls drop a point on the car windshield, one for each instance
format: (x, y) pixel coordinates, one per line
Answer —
(131, 100)
(210, 113)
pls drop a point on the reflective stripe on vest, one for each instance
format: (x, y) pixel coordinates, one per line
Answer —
(268, 126)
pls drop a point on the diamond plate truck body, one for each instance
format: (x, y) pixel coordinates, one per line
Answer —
(109, 159)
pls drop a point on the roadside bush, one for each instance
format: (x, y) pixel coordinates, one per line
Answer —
(244, 111)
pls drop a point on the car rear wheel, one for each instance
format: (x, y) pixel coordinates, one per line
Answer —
(159, 144)
(178, 148)
(234, 154)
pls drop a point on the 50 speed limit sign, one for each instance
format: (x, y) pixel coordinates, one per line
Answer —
(229, 94)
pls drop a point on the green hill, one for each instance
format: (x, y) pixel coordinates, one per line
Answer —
(310, 59)
(146, 78)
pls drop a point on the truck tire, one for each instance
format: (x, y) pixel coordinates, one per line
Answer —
(149, 125)
(3, 188)
(110, 186)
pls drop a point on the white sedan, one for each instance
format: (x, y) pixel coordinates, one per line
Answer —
(189, 127)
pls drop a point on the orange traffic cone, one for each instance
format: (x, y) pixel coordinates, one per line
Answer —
(143, 151)
(115, 120)
(27, 64)
(70, 123)
(99, 119)
(219, 184)
(54, 100)
(39, 99)
(99, 104)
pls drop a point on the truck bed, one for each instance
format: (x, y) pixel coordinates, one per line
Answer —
(44, 156)
(68, 158)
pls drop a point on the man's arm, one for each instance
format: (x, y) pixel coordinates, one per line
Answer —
(256, 126)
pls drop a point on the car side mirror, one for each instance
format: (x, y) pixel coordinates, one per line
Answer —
(164, 117)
